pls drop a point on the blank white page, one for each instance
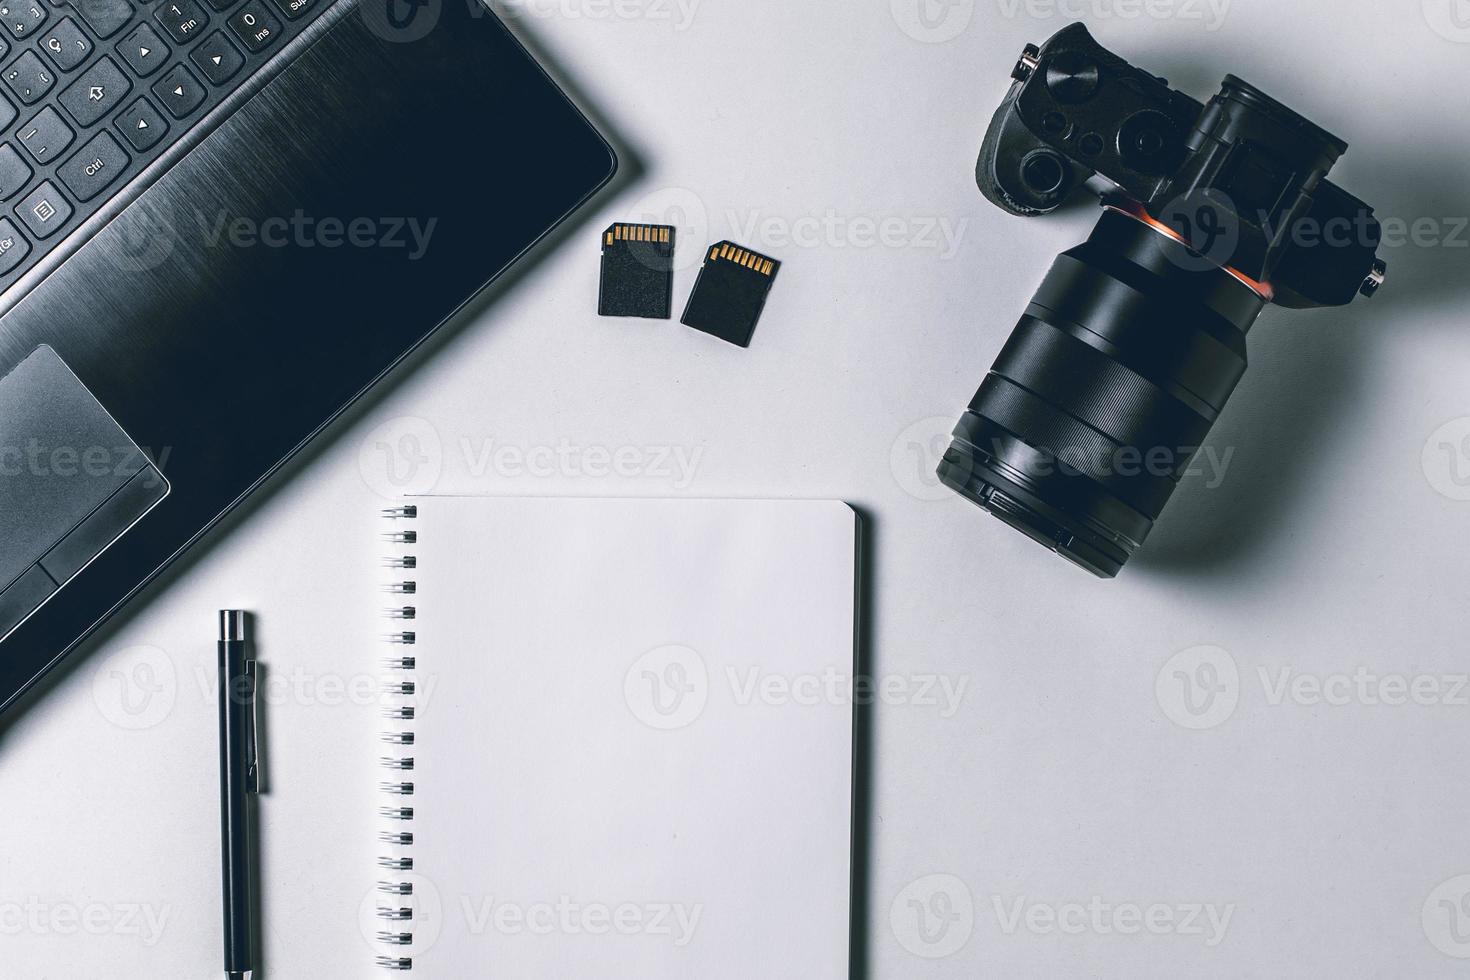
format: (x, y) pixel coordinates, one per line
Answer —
(633, 739)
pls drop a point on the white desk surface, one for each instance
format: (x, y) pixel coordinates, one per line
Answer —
(1058, 820)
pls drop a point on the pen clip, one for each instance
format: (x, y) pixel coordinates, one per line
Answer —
(252, 741)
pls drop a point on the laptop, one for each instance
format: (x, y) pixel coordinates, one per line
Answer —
(221, 222)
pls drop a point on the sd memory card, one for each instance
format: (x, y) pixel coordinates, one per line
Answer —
(730, 293)
(637, 271)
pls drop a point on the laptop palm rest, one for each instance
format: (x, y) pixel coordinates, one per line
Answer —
(286, 263)
(71, 480)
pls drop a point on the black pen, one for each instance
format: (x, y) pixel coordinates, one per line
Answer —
(238, 780)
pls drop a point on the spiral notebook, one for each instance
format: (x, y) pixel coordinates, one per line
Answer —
(620, 743)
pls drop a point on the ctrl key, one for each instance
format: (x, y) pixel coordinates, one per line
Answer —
(95, 166)
(13, 246)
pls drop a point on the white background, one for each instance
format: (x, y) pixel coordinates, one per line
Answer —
(1333, 835)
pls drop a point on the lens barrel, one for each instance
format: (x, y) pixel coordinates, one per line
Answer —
(1111, 381)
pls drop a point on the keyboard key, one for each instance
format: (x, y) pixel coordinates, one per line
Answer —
(45, 136)
(96, 92)
(7, 113)
(294, 8)
(141, 125)
(44, 210)
(179, 91)
(22, 17)
(105, 17)
(29, 78)
(254, 27)
(183, 19)
(217, 58)
(15, 173)
(66, 45)
(143, 50)
(13, 246)
(95, 166)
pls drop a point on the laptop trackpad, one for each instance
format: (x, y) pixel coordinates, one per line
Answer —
(71, 483)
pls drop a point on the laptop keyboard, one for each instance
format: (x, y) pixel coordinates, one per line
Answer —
(92, 91)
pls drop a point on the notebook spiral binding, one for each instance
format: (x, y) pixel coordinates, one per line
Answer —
(396, 919)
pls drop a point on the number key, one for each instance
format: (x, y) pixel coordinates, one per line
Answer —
(254, 27)
(183, 19)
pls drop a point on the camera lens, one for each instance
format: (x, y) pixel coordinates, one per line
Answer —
(1106, 389)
